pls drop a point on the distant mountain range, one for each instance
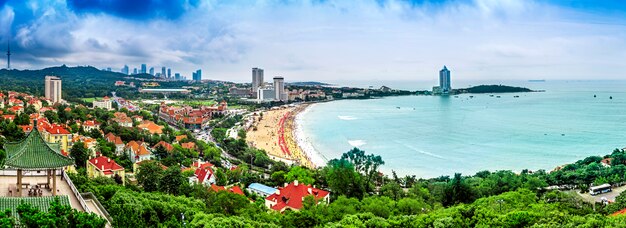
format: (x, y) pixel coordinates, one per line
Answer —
(310, 83)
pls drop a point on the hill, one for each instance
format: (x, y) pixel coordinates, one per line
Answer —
(78, 82)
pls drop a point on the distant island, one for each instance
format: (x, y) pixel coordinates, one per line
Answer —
(310, 83)
(494, 89)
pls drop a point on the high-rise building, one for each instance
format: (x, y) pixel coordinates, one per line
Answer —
(279, 89)
(163, 72)
(53, 88)
(134, 70)
(125, 70)
(169, 72)
(109, 69)
(444, 80)
(257, 79)
(197, 76)
(144, 68)
(151, 70)
(177, 76)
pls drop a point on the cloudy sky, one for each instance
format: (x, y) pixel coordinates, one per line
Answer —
(325, 39)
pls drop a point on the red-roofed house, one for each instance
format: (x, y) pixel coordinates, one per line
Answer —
(137, 151)
(165, 145)
(234, 189)
(606, 162)
(119, 144)
(8, 117)
(151, 127)
(104, 167)
(26, 128)
(203, 175)
(122, 119)
(54, 133)
(17, 109)
(189, 145)
(91, 124)
(292, 195)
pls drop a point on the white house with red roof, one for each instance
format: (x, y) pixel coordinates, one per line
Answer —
(105, 103)
(203, 174)
(119, 144)
(137, 151)
(55, 133)
(291, 196)
(104, 167)
(89, 125)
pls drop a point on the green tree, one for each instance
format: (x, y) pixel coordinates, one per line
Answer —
(171, 181)
(303, 175)
(149, 175)
(80, 154)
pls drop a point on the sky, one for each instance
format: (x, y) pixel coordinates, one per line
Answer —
(324, 40)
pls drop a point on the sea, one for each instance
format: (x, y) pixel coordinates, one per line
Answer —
(431, 136)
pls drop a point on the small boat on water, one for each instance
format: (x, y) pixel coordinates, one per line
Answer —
(516, 96)
(456, 96)
(491, 95)
(611, 97)
(497, 96)
(594, 95)
(471, 96)
(398, 107)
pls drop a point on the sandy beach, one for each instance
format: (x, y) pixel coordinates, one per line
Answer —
(275, 131)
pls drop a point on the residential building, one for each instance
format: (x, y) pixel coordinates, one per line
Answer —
(122, 119)
(89, 125)
(239, 92)
(261, 189)
(163, 72)
(233, 189)
(279, 89)
(135, 71)
(151, 70)
(137, 151)
(257, 79)
(151, 127)
(168, 147)
(203, 174)
(143, 68)
(292, 195)
(444, 81)
(169, 72)
(119, 144)
(105, 167)
(53, 89)
(105, 103)
(54, 133)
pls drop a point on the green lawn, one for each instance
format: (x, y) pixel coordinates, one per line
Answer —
(88, 100)
(199, 102)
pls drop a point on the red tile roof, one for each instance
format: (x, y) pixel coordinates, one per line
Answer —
(235, 189)
(56, 129)
(167, 146)
(291, 196)
(620, 212)
(189, 145)
(105, 164)
(203, 173)
(137, 148)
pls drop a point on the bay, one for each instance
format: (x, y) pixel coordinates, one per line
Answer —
(430, 136)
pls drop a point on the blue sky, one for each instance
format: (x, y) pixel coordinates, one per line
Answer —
(325, 39)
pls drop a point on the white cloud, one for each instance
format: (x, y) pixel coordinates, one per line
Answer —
(483, 39)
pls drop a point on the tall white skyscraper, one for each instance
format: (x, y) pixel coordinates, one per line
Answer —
(257, 79)
(53, 89)
(444, 80)
(279, 88)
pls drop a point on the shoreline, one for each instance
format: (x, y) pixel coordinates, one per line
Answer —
(302, 141)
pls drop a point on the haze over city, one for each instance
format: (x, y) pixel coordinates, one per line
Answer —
(324, 40)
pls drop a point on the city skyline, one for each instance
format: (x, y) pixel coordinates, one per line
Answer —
(398, 40)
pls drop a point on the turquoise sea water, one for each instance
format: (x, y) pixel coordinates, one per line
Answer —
(429, 136)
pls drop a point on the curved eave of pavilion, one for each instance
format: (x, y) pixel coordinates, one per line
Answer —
(34, 153)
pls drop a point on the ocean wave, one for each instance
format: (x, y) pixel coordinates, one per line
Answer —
(346, 117)
(356, 143)
(422, 152)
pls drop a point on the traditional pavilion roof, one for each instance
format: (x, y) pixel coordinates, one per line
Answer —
(35, 153)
